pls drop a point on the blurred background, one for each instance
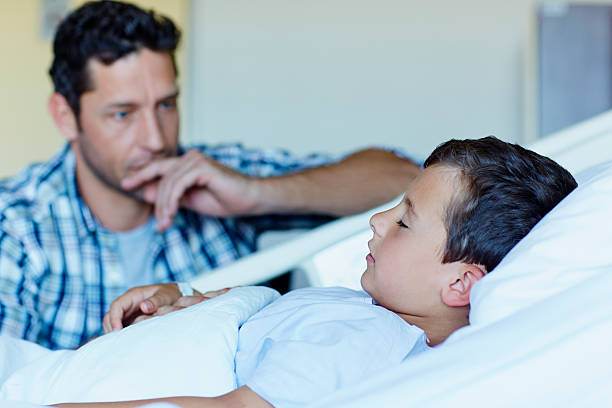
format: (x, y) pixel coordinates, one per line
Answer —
(337, 75)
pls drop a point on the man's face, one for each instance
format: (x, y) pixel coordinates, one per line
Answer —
(404, 271)
(129, 118)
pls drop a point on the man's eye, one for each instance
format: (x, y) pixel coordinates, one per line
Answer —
(121, 115)
(167, 105)
(401, 224)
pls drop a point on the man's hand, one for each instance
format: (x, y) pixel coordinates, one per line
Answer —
(144, 302)
(193, 181)
(181, 303)
(201, 184)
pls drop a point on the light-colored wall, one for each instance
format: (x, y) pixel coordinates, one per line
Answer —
(27, 133)
(340, 74)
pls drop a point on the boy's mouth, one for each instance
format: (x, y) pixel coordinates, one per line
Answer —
(370, 257)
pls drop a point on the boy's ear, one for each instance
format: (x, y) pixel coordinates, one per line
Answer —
(457, 292)
(63, 116)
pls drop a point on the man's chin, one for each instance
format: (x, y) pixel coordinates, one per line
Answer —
(136, 194)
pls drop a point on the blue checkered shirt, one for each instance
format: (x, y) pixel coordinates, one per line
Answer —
(60, 269)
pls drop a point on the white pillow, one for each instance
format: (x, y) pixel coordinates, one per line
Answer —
(189, 352)
(570, 244)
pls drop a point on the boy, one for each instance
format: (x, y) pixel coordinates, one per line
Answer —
(475, 200)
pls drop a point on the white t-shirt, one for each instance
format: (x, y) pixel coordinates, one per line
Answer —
(313, 341)
(133, 247)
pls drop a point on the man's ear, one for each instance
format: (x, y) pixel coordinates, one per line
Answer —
(457, 292)
(63, 116)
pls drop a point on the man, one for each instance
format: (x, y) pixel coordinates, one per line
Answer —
(122, 204)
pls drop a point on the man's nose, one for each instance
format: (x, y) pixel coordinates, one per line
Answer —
(153, 135)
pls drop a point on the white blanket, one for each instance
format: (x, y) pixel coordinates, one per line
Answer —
(190, 352)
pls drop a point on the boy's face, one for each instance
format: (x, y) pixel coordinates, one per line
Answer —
(404, 271)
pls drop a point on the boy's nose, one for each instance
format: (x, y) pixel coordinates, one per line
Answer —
(380, 221)
(376, 223)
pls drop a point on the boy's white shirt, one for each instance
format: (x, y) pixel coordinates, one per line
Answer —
(312, 341)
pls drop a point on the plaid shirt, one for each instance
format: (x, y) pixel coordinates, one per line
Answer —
(60, 269)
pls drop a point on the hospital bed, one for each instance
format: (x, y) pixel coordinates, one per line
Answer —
(540, 323)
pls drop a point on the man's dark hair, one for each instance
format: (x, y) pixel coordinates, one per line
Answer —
(107, 31)
(507, 190)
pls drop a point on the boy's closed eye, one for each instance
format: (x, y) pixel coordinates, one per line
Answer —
(401, 223)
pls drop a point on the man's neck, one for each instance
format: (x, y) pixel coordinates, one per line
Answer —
(114, 210)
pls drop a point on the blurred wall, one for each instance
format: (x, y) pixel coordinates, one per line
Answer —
(340, 74)
(27, 132)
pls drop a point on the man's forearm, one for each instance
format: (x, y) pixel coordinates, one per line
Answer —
(183, 402)
(361, 181)
(240, 397)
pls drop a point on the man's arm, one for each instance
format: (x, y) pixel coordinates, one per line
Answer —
(241, 397)
(361, 181)
(18, 291)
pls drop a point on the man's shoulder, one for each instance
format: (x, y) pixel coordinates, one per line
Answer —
(225, 151)
(29, 193)
(261, 162)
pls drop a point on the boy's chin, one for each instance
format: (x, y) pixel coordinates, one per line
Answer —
(364, 282)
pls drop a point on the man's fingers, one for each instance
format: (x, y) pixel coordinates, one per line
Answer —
(164, 310)
(187, 301)
(141, 318)
(165, 296)
(168, 202)
(148, 191)
(106, 325)
(119, 310)
(129, 306)
(148, 307)
(186, 174)
(214, 293)
(151, 171)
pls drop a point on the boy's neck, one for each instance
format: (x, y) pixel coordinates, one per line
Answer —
(439, 327)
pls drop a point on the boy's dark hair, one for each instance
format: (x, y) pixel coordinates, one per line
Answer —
(107, 31)
(507, 190)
